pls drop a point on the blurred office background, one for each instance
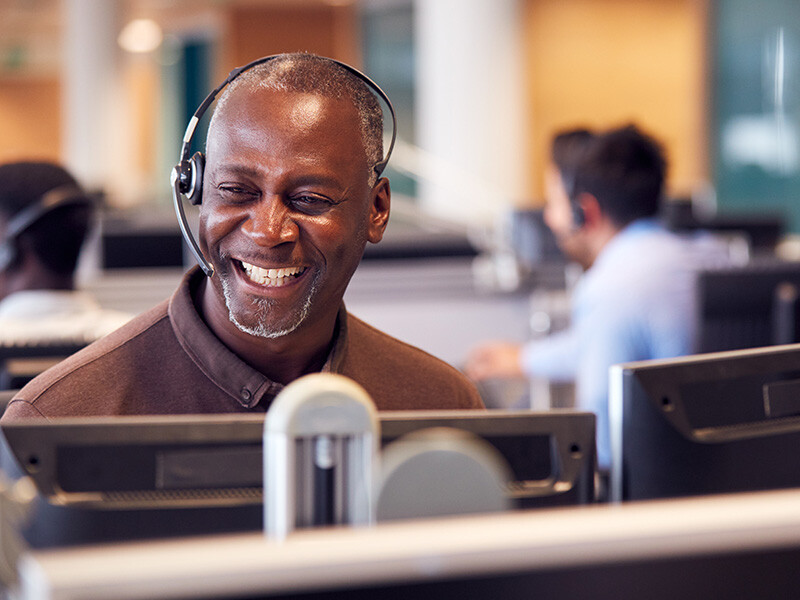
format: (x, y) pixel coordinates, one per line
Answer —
(480, 86)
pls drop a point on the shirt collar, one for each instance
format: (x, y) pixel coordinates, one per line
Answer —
(234, 376)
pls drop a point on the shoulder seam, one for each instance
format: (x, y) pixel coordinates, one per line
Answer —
(29, 403)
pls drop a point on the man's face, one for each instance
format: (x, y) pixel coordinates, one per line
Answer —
(287, 209)
(558, 216)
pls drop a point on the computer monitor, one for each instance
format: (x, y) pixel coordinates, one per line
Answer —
(532, 240)
(141, 241)
(786, 314)
(702, 424)
(121, 478)
(737, 305)
(761, 231)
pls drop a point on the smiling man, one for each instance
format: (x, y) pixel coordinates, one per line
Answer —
(290, 197)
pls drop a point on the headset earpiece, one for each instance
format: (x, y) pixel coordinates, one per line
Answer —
(190, 177)
(578, 216)
(568, 183)
(197, 165)
(8, 254)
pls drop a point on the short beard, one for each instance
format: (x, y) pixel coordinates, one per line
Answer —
(263, 307)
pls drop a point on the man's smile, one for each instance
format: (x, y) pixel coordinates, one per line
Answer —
(276, 277)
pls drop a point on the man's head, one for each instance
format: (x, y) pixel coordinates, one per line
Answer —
(624, 170)
(44, 203)
(290, 196)
(618, 179)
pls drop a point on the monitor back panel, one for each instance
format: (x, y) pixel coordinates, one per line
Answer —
(143, 477)
(719, 423)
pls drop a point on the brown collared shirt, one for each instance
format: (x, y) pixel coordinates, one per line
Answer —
(167, 361)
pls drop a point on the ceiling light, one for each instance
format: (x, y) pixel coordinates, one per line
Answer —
(140, 35)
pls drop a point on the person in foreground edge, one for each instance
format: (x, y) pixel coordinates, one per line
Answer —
(45, 219)
(289, 200)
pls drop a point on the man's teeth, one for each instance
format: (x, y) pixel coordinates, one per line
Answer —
(271, 277)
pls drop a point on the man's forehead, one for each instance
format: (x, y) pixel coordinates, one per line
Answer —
(267, 112)
(299, 106)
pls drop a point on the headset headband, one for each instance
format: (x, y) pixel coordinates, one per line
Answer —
(55, 198)
(186, 177)
(63, 195)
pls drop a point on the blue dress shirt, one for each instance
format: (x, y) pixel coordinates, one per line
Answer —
(636, 302)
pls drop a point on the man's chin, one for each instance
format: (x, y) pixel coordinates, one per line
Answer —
(264, 317)
(261, 322)
(259, 319)
(262, 330)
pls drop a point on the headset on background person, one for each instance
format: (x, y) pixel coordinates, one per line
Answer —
(578, 216)
(187, 176)
(64, 195)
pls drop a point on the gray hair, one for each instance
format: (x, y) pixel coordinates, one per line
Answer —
(309, 73)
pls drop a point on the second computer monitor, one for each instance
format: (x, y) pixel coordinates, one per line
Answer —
(744, 307)
(703, 424)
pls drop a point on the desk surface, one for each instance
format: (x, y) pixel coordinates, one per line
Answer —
(559, 542)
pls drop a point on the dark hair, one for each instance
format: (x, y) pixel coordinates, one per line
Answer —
(566, 150)
(56, 239)
(308, 73)
(624, 169)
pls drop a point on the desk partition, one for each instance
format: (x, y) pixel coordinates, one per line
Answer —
(738, 546)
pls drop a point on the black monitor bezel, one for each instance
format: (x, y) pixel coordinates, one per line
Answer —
(659, 450)
(572, 455)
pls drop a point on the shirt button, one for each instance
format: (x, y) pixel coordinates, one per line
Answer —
(245, 393)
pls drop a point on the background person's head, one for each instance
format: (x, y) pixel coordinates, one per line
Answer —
(45, 254)
(618, 178)
(290, 196)
(624, 170)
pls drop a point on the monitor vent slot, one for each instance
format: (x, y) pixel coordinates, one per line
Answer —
(201, 495)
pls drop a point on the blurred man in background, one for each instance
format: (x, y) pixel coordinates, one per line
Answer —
(45, 218)
(636, 299)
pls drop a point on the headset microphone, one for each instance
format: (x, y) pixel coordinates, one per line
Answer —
(187, 176)
(578, 216)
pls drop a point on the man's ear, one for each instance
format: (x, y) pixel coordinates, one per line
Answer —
(590, 207)
(380, 204)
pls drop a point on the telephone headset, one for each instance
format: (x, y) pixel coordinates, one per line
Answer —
(187, 176)
(578, 216)
(64, 195)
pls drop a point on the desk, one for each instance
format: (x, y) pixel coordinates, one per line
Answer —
(740, 546)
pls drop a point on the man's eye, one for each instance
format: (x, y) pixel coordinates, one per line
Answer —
(311, 204)
(236, 192)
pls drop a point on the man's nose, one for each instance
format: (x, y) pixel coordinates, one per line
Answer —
(271, 223)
